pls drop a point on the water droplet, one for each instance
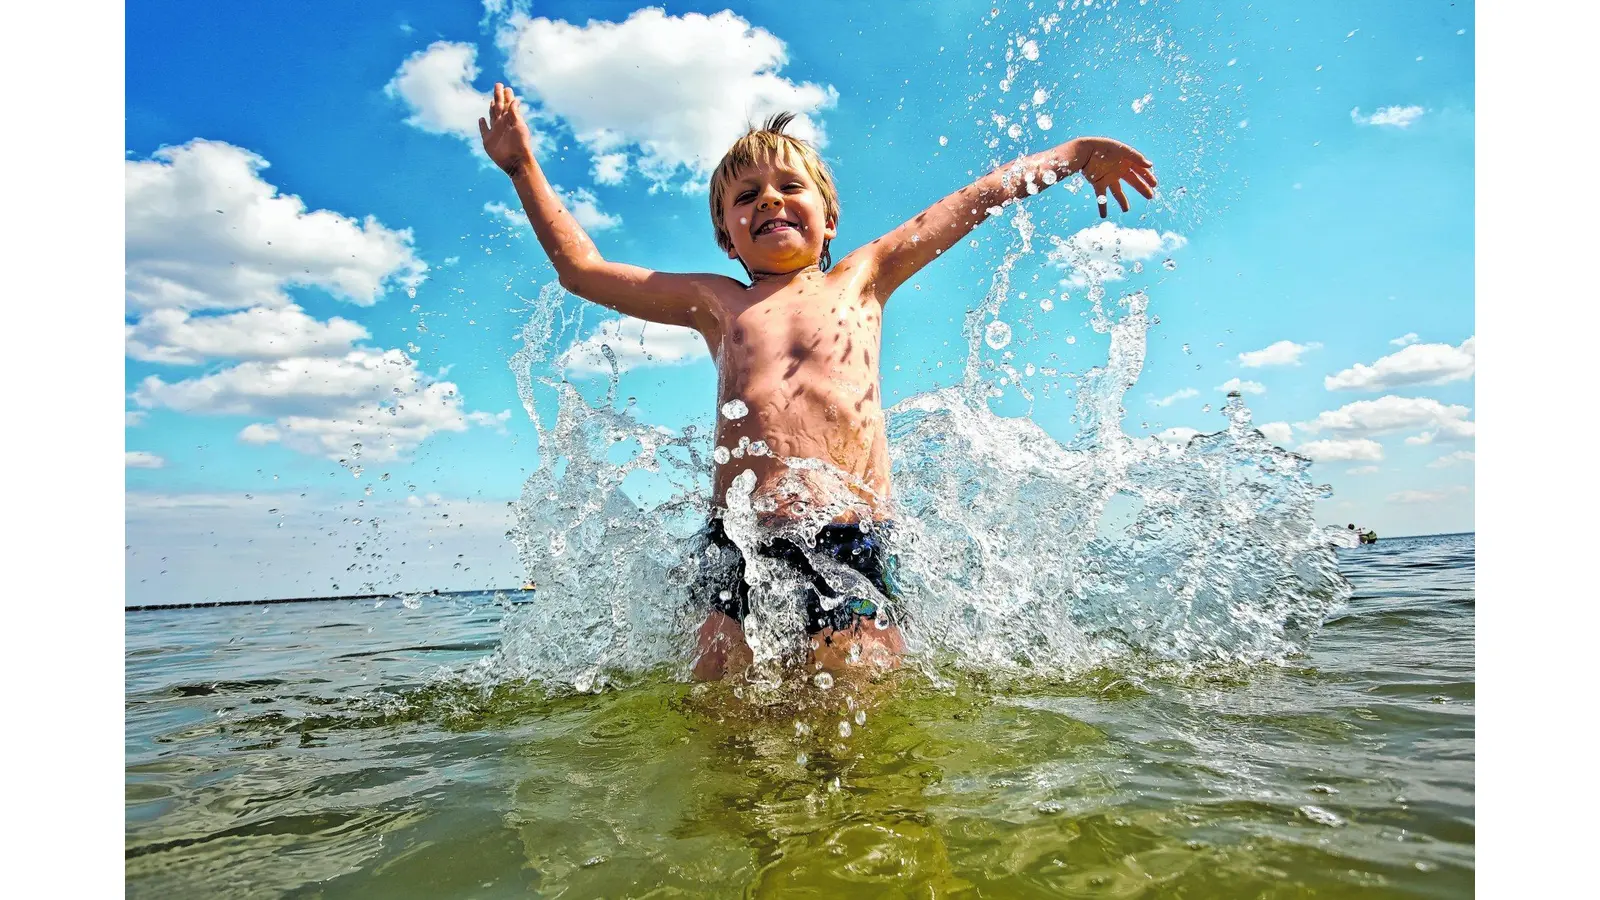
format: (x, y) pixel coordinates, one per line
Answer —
(1048, 176)
(1047, 304)
(1045, 123)
(411, 602)
(801, 759)
(1030, 50)
(758, 448)
(735, 409)
(1040, 95)
(1028, 370)
(861, 717)
(943, 141)
(721, 455)
(1014, 132)
(844, 729)
(1206, 408)
(1185, 348)
(997, 334)
(822, 680)
(1169, 264)
(1141, 103)
(1072, 339)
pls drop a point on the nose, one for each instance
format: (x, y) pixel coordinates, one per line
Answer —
(771, 201)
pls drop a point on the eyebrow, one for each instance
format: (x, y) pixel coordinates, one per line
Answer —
(748, 180)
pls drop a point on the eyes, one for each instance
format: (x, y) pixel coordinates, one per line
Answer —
(748, 195)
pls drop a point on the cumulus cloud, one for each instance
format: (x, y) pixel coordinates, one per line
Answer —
(1414, 496)
(436, 84)
(1365, 418)
(1172, 398)
(179, 337)
(635, 343)
(1283, 353)
(1413, 364)
(1406, 339)
(1277, 432)
(1450, 459)
(370, 404)
(1243, 387)
(1391, 116)
(205, 231)
(141, 459)
(581, 202)
(1103, 252)
(1341, 450)
(639, 96)
(207, 234)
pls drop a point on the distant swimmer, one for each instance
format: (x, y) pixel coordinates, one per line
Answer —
(798, 351)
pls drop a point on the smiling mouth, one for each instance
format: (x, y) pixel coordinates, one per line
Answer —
(772, 225)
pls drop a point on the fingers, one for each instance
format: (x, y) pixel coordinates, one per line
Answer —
(1136, 180)
(1100, 196)
(1116, 191)
(483, 129)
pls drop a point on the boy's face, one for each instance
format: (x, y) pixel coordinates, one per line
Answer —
(774, 214)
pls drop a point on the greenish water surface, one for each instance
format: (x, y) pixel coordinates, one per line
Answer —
(320, 750)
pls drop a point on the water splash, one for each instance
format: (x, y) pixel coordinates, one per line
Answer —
(1020, 555)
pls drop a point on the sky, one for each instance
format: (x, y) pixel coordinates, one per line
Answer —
(319, 257)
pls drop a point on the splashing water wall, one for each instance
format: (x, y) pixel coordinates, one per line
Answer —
(1019, 555)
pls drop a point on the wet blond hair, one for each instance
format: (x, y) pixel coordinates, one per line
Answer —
(765, 144)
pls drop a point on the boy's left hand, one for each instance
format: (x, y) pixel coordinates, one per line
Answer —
(1106, 163)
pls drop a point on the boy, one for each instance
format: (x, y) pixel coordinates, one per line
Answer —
(797, 353)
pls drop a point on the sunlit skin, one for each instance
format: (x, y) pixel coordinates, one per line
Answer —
(799, 346)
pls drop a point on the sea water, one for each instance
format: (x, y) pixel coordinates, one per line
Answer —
(1135, 667)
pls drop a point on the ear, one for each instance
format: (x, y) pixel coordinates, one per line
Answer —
(830, 229)
(733, 253)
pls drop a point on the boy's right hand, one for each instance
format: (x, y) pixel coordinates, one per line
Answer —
(506, 138)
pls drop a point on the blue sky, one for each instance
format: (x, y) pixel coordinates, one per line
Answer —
(1323, 243)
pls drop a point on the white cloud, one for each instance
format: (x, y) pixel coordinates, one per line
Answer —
(176, 336)
(1172, 398)
(322, 406)
(1361, 470)
(133, 417)
(1177, 434)
(664, 95)
(1341, 450)
(512, 217)
(1365, 418)
(585, 207)
(1277, 432)
(1413, 496)
(1403, 340)
(1392, 116)
(1448, 432)
(497, 421)
(636, 344)
(141, 459)
(1103, 252)
(204, 231)
(610, 168)
(581, 202)
(1450, 459)
(1283, 353)
(436, 85)
(1243, 387)
(1414, 364)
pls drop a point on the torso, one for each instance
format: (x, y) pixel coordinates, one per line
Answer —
(802, 354)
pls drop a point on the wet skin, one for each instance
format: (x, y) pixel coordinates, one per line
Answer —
(798, 346)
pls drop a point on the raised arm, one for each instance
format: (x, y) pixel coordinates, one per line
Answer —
(669, 299)
(895, 257)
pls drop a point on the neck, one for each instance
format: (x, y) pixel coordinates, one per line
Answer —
(762, 277)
